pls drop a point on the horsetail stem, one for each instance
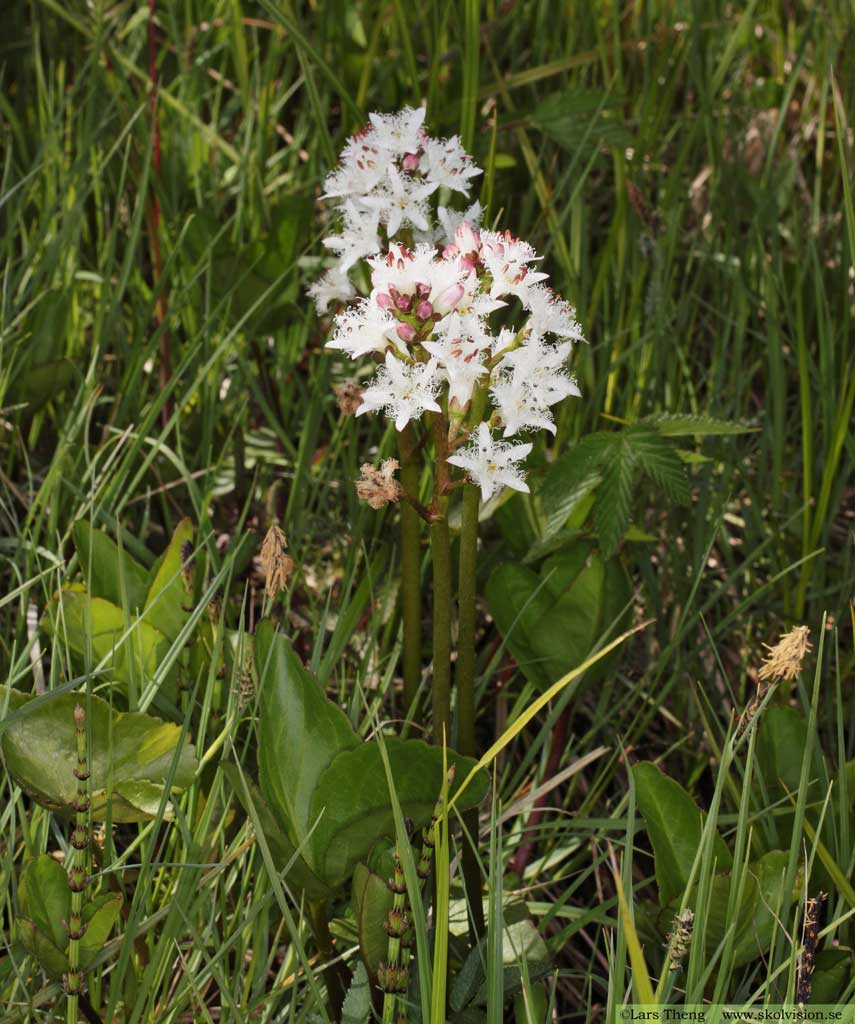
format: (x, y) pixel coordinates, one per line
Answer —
(393, 975)
(78, 869)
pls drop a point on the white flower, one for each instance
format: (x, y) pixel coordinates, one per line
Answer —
(363, 165)
(332, 286)
(459, 356)
(449, 164)
(490, 463)
(519, 406)
(358, 238)
(404, 390)
(541, 367)
(506, 260)
(527, 381)
(402, 133)
(403, 203)
(551, 315)
(450, 221)
(363, 328)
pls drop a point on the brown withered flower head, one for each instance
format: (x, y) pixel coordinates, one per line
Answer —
(276, 565)
(349, 397)
(784, 660)
(378, 486)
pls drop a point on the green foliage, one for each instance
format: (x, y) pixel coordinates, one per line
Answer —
(132, 756)
(44, 908)
(552, 620)
(327, 787)
(674, 824)
(610, 465)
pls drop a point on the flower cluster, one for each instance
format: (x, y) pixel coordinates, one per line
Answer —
(456, 314)
(384, 185)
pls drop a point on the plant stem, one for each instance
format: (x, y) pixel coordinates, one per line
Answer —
(465, 676)
(78, 869)
(411, 584)
(440, 546)
(465, 682)
(336, 973)
(394, 974)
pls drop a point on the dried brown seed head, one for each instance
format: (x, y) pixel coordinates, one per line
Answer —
(378, 486)
(784, 660)
(276, 565)
(349, 397)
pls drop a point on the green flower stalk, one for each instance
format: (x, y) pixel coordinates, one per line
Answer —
(393, 976)
(78, 870)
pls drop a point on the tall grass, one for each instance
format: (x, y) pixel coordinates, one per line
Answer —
(686, 170)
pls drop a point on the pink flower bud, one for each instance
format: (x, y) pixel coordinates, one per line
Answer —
(406, 332)
(403, 302)
(424, 310)
(422, 290)
(449, 299)
(384, 301)
(410, 162)
(450, 251)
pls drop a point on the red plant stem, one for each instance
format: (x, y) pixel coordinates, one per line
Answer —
(153, 216)
(526, 849)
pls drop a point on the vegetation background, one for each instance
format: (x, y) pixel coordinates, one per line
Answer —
(685, 170)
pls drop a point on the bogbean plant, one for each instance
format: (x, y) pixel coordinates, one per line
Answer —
(470, 348)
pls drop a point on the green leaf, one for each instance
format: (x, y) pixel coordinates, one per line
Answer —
(131, 752)
(99, 917)
(674, 824)
(300, 733)
(571, 479)
(679, 425)
(831, 976)
(581, 119)
(45, 899)
(660, 462)
(357, 1003)
(763, 898)
(615, 494)
(282, 850)
(92, 625)
(37, 944)
(372, 900)
(38, 385)
(104, 566)
(351, 802)
(551, 621)
(167, 599)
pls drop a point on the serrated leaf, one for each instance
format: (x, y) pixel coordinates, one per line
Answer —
(131, 753)
(660, 462)
(356, 1008)
(614, 495)
(682, 425)
(571, 479)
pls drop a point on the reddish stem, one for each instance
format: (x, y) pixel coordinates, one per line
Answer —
(526, 849)
(154, 212)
